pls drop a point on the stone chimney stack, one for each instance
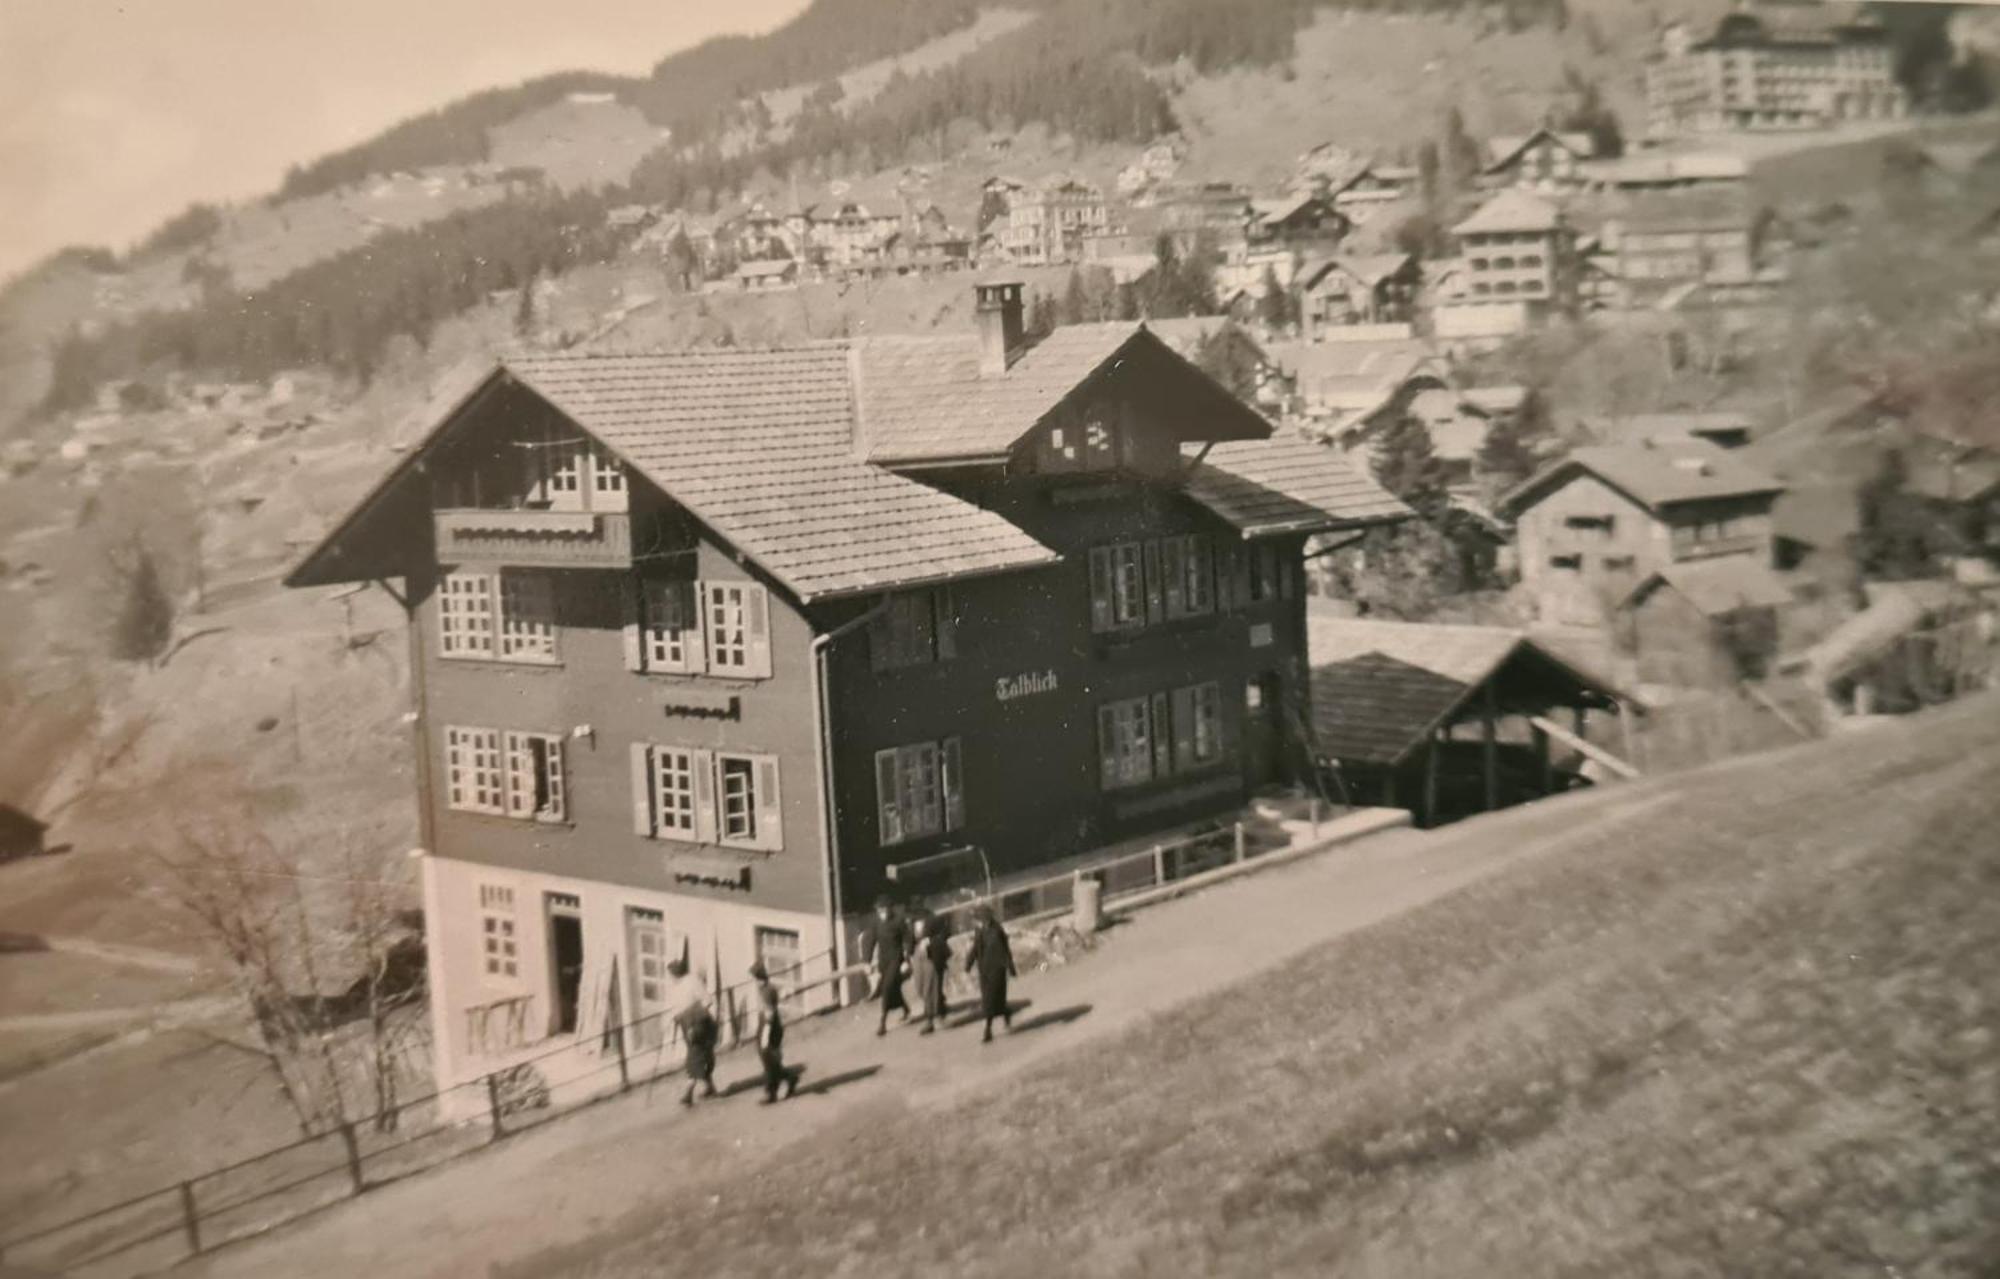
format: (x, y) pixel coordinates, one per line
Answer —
(1001, 325)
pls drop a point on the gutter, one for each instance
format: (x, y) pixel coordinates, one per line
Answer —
(823, 739)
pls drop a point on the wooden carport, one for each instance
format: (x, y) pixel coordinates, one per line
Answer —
(1390, 701)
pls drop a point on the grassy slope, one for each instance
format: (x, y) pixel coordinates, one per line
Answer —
(1741, 1033)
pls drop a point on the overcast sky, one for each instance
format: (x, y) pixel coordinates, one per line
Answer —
(115, 114)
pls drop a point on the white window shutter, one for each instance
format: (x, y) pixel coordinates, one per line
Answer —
(642, 789)
(1107, 746)
(632, 605)
(519, 764)
(1100, 588)
(1156, 605)
(770, 812)
(757, 623)
(703, 765)
(1162, 735)
(887, 802)
(1183, 728)
(696, 624)
(558, 781)
(951, 781)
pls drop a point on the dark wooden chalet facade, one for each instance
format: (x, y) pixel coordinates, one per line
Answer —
(705, 642)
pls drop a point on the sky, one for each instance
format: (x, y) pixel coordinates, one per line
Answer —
(116, 114)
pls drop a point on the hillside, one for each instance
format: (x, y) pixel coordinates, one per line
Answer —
(1732, 1025)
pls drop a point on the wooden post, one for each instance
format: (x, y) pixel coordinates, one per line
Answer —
(1582, 714)
(353, 1156)
(1490, 750)
(1241, 844)
(493, 1106)
(1159, 864)
(1431, 749)
(190, 1219)
(624, 1067)
(1543, 757)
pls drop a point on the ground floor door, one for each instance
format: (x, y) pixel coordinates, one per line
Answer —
(778, 949)
(566, 962)
(1263, 731)
(646, 944)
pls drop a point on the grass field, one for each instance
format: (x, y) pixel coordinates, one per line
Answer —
(1749, 1031)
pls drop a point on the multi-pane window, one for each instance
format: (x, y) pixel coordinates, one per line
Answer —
(698, 627)
(1142, 739)
(1267, 573)
(1187, 574)
(474, 781)
(569, 472)
(919, 790)
(499, 950)
(527, 618)
(913, 629)
(506, 773)
(706, 797)
(607, 473)
(507, 615)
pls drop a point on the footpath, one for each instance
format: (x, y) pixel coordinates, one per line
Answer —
(567, 1188)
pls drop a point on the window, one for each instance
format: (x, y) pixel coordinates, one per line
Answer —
(1266, 573)
(916, 628)
(737, 625)
(1117, 586)
(500, 952)
(1133, 583)
(669, 626)
(527, 618)
(508, 615)
(706, 797)
(1619, 563)
(507, 774)
(1591, 523)
(535, 776)
(1187, 571)
(1141, 739)
(1566, 561)
(473, 781)
(695, 628)
(919, 790)
(607, 475)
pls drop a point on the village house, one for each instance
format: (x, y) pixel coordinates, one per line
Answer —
(1598, 522)
(1704, 623)
(1354, 289)
(1215, 214)
(1545, 161)
(1046, 224)
(1723, 429)
(1676, 171)
(1664, 240)
(706, 644)
(1348, 389)
(1774, 64)
(1958, 485)
(1367, 187)
(1300, 220)
(1515, 269)
(767, 273)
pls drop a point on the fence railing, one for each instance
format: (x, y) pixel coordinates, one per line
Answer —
(183, 1219)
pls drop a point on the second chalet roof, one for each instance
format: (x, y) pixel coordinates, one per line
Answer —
(1515, 211)
(1717, 587)
(1654, 474)
(923, 399)
(1287, 485)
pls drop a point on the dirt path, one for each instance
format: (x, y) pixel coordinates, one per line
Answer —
(605, 1172)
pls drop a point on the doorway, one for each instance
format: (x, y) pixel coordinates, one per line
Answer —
(647, 938)
(1263, 736)
(566, 957)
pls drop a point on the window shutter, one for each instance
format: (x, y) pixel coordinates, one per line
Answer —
(642, 789)
(703, 765)
(1173, 571)
(951, 781)
(632, 606)
(886, 802)
(1184, 731)
(1163, 736)
(1100, 588)
(945, 601)
(694, 622)
(757, 622)
(1155, 604)
(1107, 747)
(557, 783)
(770, 814)
(1240, 562)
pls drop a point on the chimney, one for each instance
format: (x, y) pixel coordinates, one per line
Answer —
(998, 313)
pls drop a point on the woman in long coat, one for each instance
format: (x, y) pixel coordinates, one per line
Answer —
(993, 959)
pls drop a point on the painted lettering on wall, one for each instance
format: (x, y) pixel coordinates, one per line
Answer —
(1009, 687)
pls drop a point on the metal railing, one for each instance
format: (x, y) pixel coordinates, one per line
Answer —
(192, 1216)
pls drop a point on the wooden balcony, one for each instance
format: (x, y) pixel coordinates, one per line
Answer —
(536, 539)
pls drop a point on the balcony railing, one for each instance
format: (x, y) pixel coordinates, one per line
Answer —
(536, 539)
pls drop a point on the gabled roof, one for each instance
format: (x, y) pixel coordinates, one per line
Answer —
(1367, 268)
(1655, 474)
(1647, 170)
(1638, 428)
(1511, 211)
(1718, 586)
(1505, 150)
(1287, 485)
(1380, 688)
(922, 399)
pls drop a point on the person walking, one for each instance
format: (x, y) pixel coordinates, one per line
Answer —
(687, 1000)
(771, 1038)
(931, 961)
(993, 959)
(887, 944)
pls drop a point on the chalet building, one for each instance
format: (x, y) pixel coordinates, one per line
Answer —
(1677, 171)
(1217, 214)
(1774, 64)
(1346, 389)
(1368, 187)
(1709, 623)
(1348, 290)
(1046, 224)
(1301, 219)
(1516, 268)
(1544, 160)
(1593, 525)
(1664, 240)
(705, 643)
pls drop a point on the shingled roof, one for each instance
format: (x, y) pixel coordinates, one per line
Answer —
(1716, 587)
(1511, 211)
(1288, 485)
(1660, 472)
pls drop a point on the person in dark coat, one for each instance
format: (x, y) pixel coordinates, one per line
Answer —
(993, 959)
(887, 943)
(771, 1038)
(687, 1000)
(933, 958)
